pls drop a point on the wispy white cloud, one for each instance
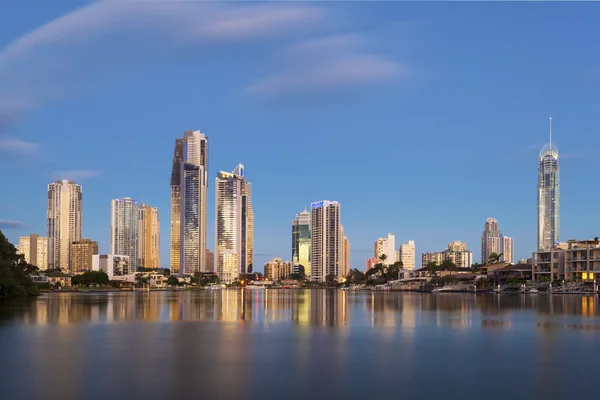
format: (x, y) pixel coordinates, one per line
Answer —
(331, 72)
(17, 146)
(329, 62)
(7, 224)
(76, 174)
(75, 49)
(348, 41)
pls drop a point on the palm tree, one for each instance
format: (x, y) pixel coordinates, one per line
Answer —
(495, 258)
(382, 258)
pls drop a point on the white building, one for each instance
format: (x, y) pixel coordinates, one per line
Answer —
(325, 240)
(548, 232)
(113, 265)
(234, 225)
(386, 246)
(64, 221)
(406, 254)
(124, 229)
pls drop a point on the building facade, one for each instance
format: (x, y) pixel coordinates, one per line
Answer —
(301, 242)
(344, 253)
(113, 265)
(456, 252)
(278, 270)
(234, 225)
(386, 246)
(371, 262)
(64, 221)
(35, 250)
(548, 223)
(148, 237)
(406, 255)
(83, 252)
(325, 240)
(189, 183)
(210, 261)
(508, 251)
(124, 229)
(574, 260)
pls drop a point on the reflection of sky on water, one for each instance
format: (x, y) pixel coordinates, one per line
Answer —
(320, 343)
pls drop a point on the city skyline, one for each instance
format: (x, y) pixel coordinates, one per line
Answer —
(492, 110)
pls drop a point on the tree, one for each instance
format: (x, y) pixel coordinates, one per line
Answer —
(432, 268)
(172, 280)
(141, 281)
(355, 277)
(448, 265)
(382, 258)
(15, 272)
(494, 258)
(331, 280)
(476, 267)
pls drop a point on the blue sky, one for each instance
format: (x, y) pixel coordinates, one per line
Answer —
(421, 119)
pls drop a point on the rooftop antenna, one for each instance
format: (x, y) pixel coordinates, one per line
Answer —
(550, 133)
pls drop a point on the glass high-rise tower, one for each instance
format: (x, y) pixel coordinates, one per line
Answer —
(301, 242)
(548, 196)
(189, 182)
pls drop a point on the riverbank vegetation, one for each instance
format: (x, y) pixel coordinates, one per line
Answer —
(15, 272)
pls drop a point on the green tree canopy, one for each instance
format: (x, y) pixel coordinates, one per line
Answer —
(355, 277)
(447, 265)
(15, 272)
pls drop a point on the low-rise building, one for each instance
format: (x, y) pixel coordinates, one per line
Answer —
(277, 269)
(63, 281)
(456, 252)
(113, 265)
(574, 260)
(82, 253)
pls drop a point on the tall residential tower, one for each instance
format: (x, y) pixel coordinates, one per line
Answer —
(548, 229)
(149, 237)
(325, 240)
(189, 182)
(124, 230)
(490, 240)
(234, 225)
(64, 222)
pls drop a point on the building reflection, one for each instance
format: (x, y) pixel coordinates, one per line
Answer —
(303, 308)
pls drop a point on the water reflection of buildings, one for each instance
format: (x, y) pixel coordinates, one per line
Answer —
(328, 308)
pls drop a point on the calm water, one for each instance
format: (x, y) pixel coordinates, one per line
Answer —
(299, 345)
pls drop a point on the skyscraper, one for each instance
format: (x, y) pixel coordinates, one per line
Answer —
(325, 240)
(63, 221)
(548, 229)
(385, 246)
(124, 230)
(234, 225)
(407, 254)
(301, 241)
(149, 237)
(189, 182)
(490, 240)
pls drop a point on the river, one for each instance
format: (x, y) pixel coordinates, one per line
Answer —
(298, 344)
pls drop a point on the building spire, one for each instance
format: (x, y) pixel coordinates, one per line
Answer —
(550, 133)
